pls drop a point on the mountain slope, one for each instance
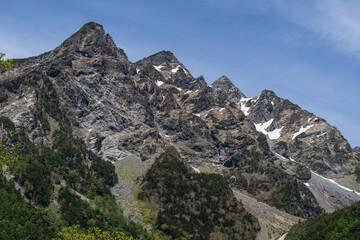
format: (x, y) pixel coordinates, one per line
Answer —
(193, 205)
(342, 224)
(85, 102)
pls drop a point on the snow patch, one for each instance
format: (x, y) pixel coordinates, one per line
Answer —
(320, 135)
(158, 67)
(196, 170)
(272, 103)
(197, 114)
(243, 107)
(159, 83)
(187, 92)
(275, 134)
(179, 89)
(282, 237)
(309, 119)
(291, 159)
(279, 156)
(306, 184)
(302, 130)
(221, 109)
(260, 127)
(137, 70)
(174, 70)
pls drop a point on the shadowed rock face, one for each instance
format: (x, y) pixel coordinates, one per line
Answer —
(304, 137)
(137, 110)
(227, 92)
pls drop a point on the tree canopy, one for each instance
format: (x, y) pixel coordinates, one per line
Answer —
(5, 63)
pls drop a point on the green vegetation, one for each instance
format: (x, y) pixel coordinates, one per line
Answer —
(357, 173)
(291, 195)
(270, 184)
(65, 53)
(3, 96)
(5, 63)
(193, 206)
(145, 72)
(283, 145)
(8, 156)
(6, 123)
(19, 60)
(342, 224)
(54, 177)
(263, 142)
(20, 220)
(301, 171)
(74, 233)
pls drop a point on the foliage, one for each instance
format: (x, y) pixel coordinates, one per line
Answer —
(194, 206)
(6, 123)
(283, 145)
(76, 211)
(20, 220)
(357, 173)
(8, 156)
(342, 224)
(5, 63)
(270, 184)
(263, 142)
(67, 162)
(73, 233)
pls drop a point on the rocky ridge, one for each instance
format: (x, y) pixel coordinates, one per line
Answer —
(125, 110)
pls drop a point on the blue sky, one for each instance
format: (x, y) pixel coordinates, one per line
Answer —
(306, 51)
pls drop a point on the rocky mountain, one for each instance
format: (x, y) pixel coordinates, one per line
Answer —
(84, 102)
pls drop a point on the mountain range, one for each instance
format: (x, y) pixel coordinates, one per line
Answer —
(148, 149)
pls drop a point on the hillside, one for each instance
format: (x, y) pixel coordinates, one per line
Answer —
(342, 224)
(94, 131)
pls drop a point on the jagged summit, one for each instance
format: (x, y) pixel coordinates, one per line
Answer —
(268, 94)
(92, 40)
(87, 31)
(159, 58)
(224, 86)
(169, 66)
(223, 82)
(130, 113)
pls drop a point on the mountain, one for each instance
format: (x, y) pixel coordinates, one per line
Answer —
(97, 130)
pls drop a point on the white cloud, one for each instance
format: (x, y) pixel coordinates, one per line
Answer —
(336, 21)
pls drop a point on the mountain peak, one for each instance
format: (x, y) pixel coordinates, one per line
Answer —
(84, 34)
(91, 39)
(224, 81)
(268, 94)
(159, 58)
(92, 26)
(224, 84)
(227, 91)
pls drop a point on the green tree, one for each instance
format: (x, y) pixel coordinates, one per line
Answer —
(73, 233)
(5, 63)
(7, 155)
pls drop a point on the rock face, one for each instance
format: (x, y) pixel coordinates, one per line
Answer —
(301, 136)
(124, 110)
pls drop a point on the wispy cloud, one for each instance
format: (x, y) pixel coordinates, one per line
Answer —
(336, 21)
